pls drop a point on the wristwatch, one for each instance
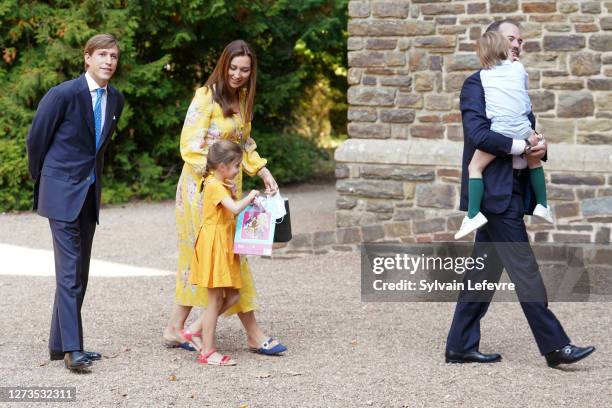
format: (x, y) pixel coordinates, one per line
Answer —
(527, 146)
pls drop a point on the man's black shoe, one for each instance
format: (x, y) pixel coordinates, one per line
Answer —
(471, 357)
(568, 355)
(77, 361)
(59, 355)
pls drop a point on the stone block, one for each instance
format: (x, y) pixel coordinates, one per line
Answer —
(597, 206)
(380, 43)
(557, 130)
(417, 60)
(435, 9)
(342, 171)
(503, 6)
(568, 7)
(585, 63)
(436, 195)
(564, 42)
(598, 84)
(572, 179)
(351, 235)
(424, 82)
(571, 238)
(560, 193)
(354, 76)
(371, 96)
(345, 203)
(360, 59)
(354, 43)
(594, 139)
(476, 8)
(594, 125)
(323, 238)
(601, 42)
(369, 130)
(586, 28)
(454, 81)
(361, 114)
(301, 240)
(396, 9)
(430, 226)
(558, 28)
(591, 7)
(462, 62)
(436, 42)
(542, 101)
(575, 105)
(427, 131)
(407, 100)
(374, 189)
(358, 9)
(605, 23)
(408, 214)
(438, 102)
(539, 7)
(397, 229)
(396, 173)
(603, 237)
(372, 233)
(558, 83)
(388, 27)
(394, 59)
(396, 115)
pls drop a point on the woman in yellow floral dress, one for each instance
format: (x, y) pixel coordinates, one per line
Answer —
(221, 109)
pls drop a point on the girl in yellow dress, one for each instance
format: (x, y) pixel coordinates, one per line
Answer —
(214, 265)
(221, 110)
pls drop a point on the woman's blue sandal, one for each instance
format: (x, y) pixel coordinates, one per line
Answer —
(267, 348)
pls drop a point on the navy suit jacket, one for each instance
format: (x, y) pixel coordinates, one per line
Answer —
(62, 148)
(477, 134)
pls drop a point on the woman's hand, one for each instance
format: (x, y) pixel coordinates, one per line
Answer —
(266, 176)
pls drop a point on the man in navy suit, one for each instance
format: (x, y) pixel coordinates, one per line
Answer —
(503, 241)
(70, 132)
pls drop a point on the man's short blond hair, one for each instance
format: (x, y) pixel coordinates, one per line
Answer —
(492, 48)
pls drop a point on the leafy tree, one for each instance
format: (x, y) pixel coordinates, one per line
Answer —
(168, 48)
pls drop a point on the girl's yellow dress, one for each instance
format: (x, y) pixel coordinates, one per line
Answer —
(205, 121)
(214, 264)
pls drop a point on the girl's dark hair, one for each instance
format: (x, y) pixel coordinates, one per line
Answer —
(223, 94)
(222, 152)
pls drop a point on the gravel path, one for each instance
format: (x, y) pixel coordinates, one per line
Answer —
(342, 352)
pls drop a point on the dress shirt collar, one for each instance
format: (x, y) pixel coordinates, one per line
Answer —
(93, 85)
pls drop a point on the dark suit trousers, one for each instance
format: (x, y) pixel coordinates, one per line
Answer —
(504, 239)
(72, 249)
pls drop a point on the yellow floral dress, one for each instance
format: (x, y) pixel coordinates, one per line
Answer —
(205, 121)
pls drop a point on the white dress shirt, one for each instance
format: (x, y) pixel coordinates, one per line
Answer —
(508, 104)
(93, 85)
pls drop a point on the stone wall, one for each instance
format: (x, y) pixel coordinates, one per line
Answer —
(398, 174)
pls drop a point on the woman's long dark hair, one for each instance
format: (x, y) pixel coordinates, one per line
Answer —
(223, 93)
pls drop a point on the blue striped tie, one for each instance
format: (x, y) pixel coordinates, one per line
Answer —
(98, 116)
(98, 126)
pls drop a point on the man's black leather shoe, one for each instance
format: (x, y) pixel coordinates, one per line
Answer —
(59, 355)
(568, 355)
(77, 360)
(471, 357)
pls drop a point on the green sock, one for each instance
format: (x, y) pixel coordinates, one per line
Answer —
(539, 184)
(475, 193)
